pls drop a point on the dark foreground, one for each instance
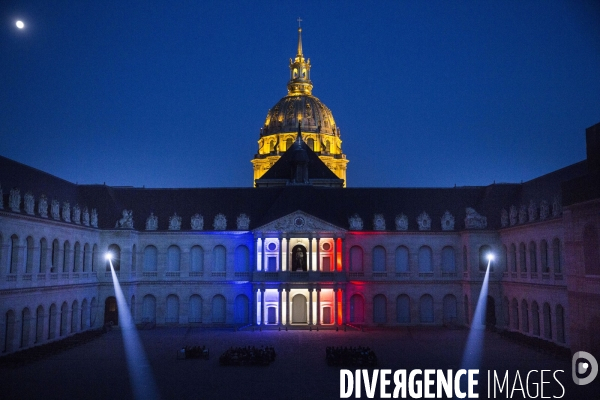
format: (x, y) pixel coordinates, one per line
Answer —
(98, 369)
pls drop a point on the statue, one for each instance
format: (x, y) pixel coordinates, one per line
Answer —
(378, 222)
(401, 222)
(29, 203)
(447, 221)
(522, 214)
(513, 215)
(94, 218)
(504, 218)
(355, 222)
(43, 206)
(243, 222)
(86, 216)
(220, 222)
(544, 210)
(532, 211)
(473, 220)
(55, 210)
(66, 211)
(126, 222)
(14, 200)
(152, 222)
(556, 209)
(424, 221)
(76, 214)
(197, 222)
(175, 222)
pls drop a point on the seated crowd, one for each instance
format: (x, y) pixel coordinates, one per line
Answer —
(194, 352)
(350, 356)
(249, 355)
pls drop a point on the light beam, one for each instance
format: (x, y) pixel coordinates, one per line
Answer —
(140, 372)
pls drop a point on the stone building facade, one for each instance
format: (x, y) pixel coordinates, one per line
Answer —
(300, 250)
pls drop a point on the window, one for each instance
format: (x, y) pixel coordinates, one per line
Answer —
(379, 259)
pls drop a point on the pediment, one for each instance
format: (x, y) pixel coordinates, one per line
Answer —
(299, 222)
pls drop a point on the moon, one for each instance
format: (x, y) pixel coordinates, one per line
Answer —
(20, 24)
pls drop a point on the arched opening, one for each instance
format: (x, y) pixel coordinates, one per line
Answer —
(196, 260)
(490, 313)
(219, 255)
(43, 256)
(483, 258)
(547, 322)
(64, 318)
(39, 324)
(299, 258)
(535, 318)
(29, 255)
(149, 309)
(379, 259)
(513, 258)
(13, 251)
(172, 316)
(111, 312)
(77, 257)
(150, 259)
(379, 309)
(195, 309)
(515, 314)
(74, 316)
(55, 256)
(426, 309)
(218, 309)
(402, 260)
(115, 251)
(524, 316)
(52, 315)
(299, 309)
(242, 315)
(86, 257)
(85, 312)
(522, 258)
(173, 258)
(403, 309)
(557, 256)
(93, 311)
(66, 256)
(533, 257)
(357, 309)
(448, 260)
(9, 331)
(271, 315)
(25, 327)
(425, 265)
(449, 309)
(544, 256)
(560, 324)
(356, 259)
(242, 259)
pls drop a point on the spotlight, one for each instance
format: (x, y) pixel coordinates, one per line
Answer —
(108, 256)
(490, 257)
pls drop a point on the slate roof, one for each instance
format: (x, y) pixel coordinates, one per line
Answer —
(263, 205)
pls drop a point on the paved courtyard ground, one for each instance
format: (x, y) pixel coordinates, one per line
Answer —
(98, 369)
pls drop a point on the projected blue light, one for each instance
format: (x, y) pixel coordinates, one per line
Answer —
(140, 373)
(474, 348)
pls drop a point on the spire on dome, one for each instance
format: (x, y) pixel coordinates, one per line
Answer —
(299, 83)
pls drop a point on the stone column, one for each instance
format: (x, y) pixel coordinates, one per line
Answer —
(318, 254)
(279, 309)
(334, 254)
(318, 306)
(310, 263)
(310, 307)
(257, 268)
(288, 255)
(255, 307)
(262, 256)
(280, 254)
(343, 293)
(344, 260)
(335, 305)
(288, 316)
(262, 306)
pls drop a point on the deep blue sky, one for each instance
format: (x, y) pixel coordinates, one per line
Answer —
(174, 94)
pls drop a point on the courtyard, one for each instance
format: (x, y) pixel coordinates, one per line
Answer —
(98, 369)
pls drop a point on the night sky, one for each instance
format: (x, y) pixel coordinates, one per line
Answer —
(173, 94)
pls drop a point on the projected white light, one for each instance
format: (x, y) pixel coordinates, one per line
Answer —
(20, 24)
(490, 257)
(108, 256)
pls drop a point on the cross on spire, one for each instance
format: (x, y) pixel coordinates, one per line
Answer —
(299, 21)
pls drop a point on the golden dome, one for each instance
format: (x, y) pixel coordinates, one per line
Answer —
(313, 116)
